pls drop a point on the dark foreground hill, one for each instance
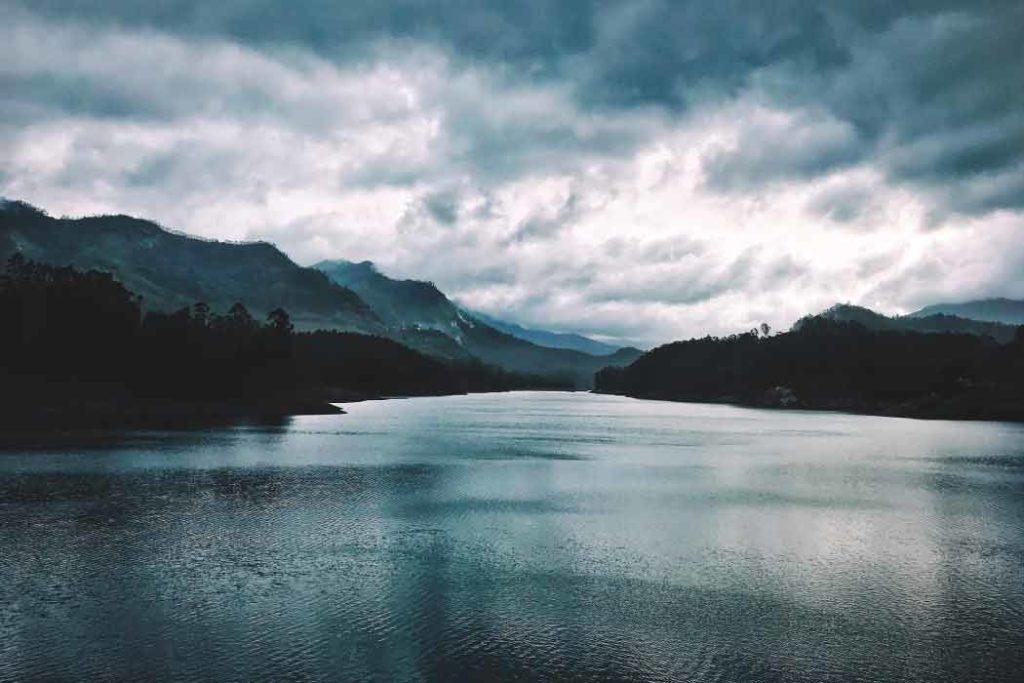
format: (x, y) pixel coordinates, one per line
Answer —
(421, 316)
(170, 270)
(833, 365)
(76, 348)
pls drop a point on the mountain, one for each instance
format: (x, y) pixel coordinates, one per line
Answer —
(934, 323)
(831, 364)
(76, 349)
(420, 305)
(1006, 311)
(421, 316)
(398, 303)
(171, 270)
(552, 340)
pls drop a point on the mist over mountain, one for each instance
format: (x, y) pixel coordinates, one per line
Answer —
(414, 303)
(171, 270)
(398, 303)
(1008, 311)
(931, 323)
(554, 340)
(422, 317)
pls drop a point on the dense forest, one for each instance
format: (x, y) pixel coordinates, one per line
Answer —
(828, 364)
(78, 346)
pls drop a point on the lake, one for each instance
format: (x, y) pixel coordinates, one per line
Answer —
(528, 535)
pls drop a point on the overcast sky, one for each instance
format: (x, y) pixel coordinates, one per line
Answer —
(637, 170)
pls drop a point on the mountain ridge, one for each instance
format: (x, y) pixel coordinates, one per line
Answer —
(994, 309)
(418, 313)
(935, 323)
(172, 270)
(548, 338)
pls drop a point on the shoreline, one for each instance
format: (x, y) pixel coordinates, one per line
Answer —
(100, 414)
(21, 427)
(904, 411)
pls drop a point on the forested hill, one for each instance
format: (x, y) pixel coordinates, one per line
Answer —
(77, 348)
(170, 270)
(829, 364)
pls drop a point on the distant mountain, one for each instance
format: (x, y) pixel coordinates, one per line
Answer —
(935, 323)
(1007, 311)
(552, 340)
(171, 270)
(422, 317)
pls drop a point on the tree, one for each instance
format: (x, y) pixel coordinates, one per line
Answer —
(239, 319)
(279, 321)
(201, 313)
(279, 333)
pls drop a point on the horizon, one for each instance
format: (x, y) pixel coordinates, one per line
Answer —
(488, 318)
(651, 172)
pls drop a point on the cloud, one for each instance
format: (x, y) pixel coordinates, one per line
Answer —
(642, 170)
(847, 203)
(776, 146)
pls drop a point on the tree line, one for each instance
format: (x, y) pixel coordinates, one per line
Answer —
(65, 330)
(824, 363)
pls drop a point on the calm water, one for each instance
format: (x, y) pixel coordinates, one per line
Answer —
(520, 536)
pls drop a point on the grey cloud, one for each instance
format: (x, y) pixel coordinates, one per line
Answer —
(938, 95)
(686, 282)
(546, 223)
(780, 272)
(911, 79)
(443, 206)
(846, 204)
(663, 250)
(783, 150)
(532, 32)
(987, 192)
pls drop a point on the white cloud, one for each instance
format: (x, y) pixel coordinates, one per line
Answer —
(624, 223)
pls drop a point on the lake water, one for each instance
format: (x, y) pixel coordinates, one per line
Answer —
(520, 536)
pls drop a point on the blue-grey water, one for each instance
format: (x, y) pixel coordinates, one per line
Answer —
(519, 536)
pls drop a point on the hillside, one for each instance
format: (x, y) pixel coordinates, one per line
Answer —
(76, 349)
(398, 303)
(421, 316)
(553, 340)
(1006, 311)
(832, 365)
(935, 323)
(171, 271)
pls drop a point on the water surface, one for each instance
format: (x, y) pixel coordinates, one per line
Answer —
(519, 536)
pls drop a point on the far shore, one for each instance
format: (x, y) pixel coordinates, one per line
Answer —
(925, 409)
